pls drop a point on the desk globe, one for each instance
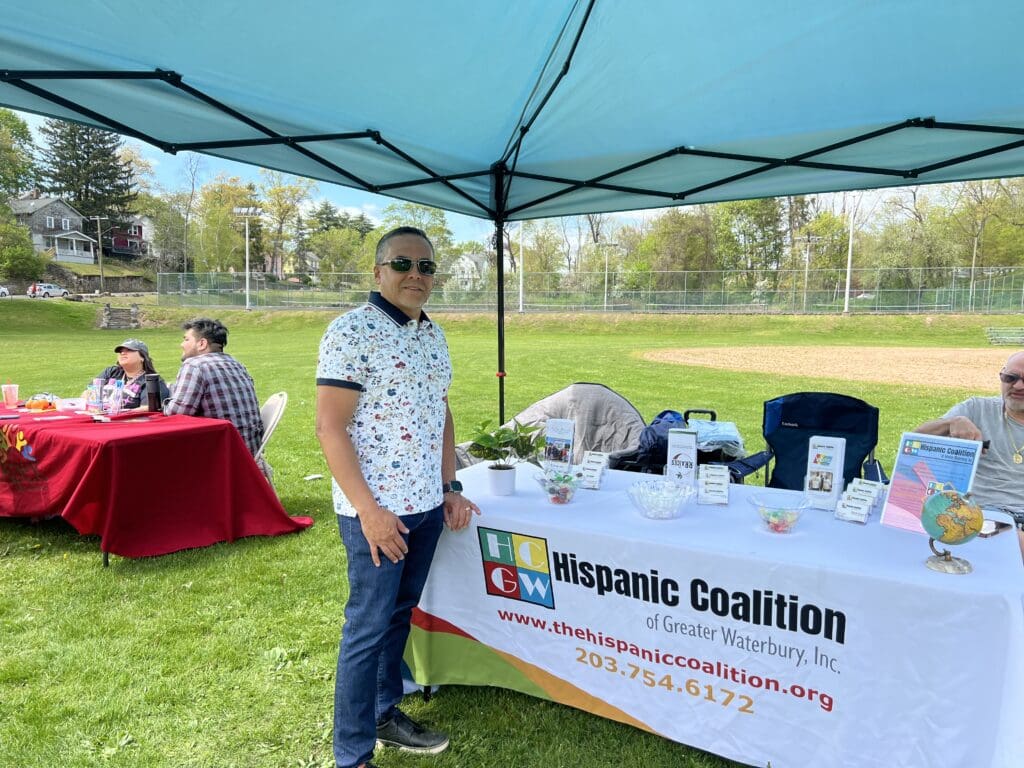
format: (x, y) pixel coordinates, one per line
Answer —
(952, 519)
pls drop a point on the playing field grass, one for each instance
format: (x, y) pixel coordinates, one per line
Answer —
(225, 656)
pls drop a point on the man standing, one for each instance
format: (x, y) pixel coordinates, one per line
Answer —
(999, 481)
(387, 433)
(212, 383)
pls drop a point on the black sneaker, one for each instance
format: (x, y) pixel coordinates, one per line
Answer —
(407, 735)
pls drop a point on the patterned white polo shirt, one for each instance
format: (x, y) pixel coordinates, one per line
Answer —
(402, 370)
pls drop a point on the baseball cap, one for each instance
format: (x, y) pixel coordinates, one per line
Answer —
(133, 344)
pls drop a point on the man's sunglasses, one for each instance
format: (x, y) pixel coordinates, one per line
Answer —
(402, 264)
(1010, 378)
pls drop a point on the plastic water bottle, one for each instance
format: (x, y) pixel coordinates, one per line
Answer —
(94, 397)
(116, 398)
(106, 393)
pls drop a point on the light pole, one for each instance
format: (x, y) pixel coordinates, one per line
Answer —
(807, 262)
(521, 309)
(606, 246)
(246, 213)
(849, 256)
(99, 245)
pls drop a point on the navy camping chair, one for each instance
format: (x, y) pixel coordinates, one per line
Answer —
(789, 423)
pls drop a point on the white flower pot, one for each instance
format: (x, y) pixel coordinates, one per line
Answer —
(502, 480)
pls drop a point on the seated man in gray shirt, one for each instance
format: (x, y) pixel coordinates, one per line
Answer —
(999, 482)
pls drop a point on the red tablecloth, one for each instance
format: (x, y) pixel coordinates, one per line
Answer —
(147, 485)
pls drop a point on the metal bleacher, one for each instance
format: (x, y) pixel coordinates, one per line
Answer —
(1005, 335)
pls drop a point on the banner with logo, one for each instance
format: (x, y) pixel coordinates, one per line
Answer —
(786, 661)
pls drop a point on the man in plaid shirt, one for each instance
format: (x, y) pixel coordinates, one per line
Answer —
(214, 384)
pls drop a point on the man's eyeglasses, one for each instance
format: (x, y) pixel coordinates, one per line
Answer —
(1010, 378)
(402, 264)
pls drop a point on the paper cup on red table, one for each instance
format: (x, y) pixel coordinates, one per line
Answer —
(10, 392)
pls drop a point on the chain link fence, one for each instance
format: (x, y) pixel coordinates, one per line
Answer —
(992, 290)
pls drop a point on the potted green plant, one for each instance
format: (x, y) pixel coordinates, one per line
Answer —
(504, 447)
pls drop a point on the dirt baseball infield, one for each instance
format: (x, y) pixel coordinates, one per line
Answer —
(968, 369)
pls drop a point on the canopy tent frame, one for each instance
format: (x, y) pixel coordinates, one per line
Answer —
(558, 54)
(24, 79)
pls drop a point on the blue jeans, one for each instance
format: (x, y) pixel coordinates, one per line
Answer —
(368, 685)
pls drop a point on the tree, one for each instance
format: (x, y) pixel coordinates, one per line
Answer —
(193, 167)
(17, 166)
(143, 174)
(362, 225)
(976, 202)
(758, 226)
(339, 251)
(166, 247)
(433, 221)
(18, 259)
(282, 202)
(915, 237)
(83, 165)
(326, 217)
(220, 246)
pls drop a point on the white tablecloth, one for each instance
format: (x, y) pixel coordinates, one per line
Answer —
(833, 645)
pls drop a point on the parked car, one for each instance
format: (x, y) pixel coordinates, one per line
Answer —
(46, 290)
(4, 292)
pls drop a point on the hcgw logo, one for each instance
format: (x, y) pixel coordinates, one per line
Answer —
(516, 566)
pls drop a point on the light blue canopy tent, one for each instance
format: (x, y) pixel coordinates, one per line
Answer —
(533, 108)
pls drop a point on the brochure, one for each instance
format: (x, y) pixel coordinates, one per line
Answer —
(823, 483)
(681, 466)
(558, 437)
(592, 469)
(712, 484)
(925, 465)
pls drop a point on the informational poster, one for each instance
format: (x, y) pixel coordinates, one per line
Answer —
(681, 466)
(925, 465)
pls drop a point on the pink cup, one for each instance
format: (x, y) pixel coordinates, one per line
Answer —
(10, 394)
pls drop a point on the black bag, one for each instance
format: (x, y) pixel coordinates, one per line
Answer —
(652, 452)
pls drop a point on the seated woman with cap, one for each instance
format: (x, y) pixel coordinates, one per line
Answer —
(133, 363)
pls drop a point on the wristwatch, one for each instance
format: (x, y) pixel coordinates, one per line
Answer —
(453, 487)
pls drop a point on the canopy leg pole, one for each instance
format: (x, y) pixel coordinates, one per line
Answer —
(500, 200)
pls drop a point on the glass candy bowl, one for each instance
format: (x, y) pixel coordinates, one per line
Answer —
(778, 516)
(559, 486)
(660, 499)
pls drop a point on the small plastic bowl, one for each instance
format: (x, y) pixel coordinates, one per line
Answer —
(778, 516)
(559, 487)
(660, 499)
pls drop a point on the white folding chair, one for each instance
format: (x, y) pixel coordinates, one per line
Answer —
(271, 414)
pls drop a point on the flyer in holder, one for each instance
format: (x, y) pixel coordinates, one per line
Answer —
(926, 464)
(558, 438)
(681, 466)
(823, 483)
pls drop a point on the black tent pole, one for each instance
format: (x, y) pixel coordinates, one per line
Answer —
(498, 170)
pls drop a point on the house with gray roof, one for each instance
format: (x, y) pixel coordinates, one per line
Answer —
(56, 227)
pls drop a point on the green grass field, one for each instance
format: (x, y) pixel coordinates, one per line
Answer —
(225, 656)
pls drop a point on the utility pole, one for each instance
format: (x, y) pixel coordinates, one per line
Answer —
(99, 245)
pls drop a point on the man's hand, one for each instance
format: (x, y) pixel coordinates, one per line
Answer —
(383, 531)
(964, 428)
(458, 511)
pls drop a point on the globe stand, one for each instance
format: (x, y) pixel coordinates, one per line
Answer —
(944, 562)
